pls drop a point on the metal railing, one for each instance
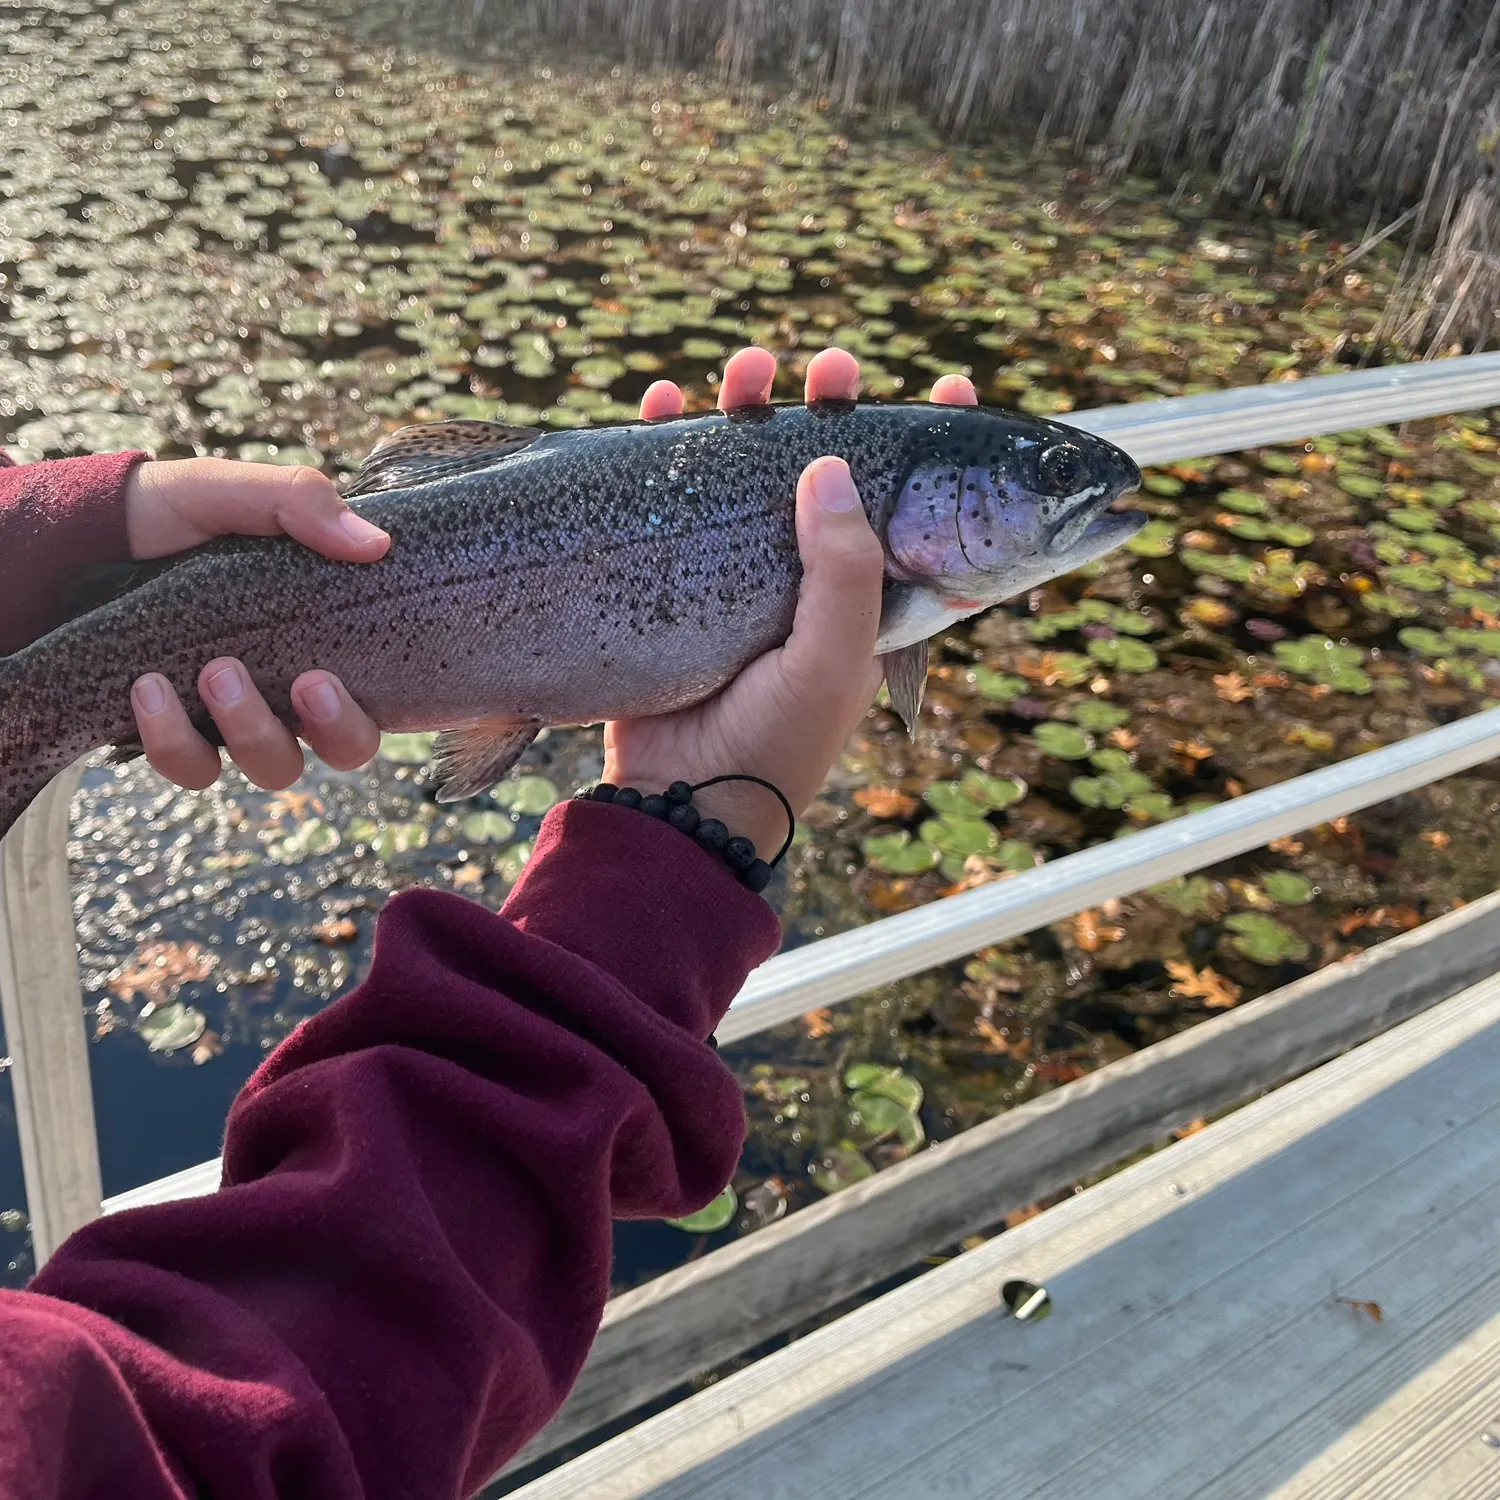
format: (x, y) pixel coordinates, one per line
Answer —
(893, 948)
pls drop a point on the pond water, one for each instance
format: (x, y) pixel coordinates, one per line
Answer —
(276, 232)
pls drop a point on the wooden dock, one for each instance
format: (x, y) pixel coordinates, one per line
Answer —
(1302, 1300)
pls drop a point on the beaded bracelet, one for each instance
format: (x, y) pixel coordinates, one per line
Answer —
(675, 806)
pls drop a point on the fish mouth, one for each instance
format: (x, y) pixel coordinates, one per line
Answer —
(1111, 529)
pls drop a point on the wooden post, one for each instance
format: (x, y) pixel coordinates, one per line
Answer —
(44, 1027)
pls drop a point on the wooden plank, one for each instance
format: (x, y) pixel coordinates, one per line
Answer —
(1198, 1349)
(658, 1336)
(44, 1027)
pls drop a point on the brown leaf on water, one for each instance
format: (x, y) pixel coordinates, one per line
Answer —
(293, 804)
(1233, 787)
(1372, 1310)
(157, 971)
(1048, 668)
(1287, 845)
(336, 930)
(819, 1023)
(1191, 1128)
(1021, 1215)
(1437, 838)
(886, 802)
(1232, 688)
(1208, 985)
(1124, 738)
(1391, 918)
(1058, 1070)
(1091, 934)
(996, 1040)
(1193, 750)
(208, 1047)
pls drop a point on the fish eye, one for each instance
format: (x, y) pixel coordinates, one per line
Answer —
(1060, 470)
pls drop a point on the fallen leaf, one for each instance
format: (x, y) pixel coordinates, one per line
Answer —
(819, 1023)
(1193, 750)
(1091, 935)
(1287, 845)
(1191, 1128)
(886, 802)
(1064, 1070)
(1394, 918)
(997, 1041)
(466, 876)
(158, 970)
(336, 930)
(208, 1047)
(1233, 787)
(1208, 985)
(1372, 1310)
(292, 804)
(1437, 838)
(1124, 738)
(1021, 1215)
(1233, 688)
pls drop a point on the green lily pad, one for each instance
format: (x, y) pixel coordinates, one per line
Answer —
(1361, 486)
(878, 1078)
(1154, 539)
(311, 838)
(513, 860)
(715, 1216)
(488, 828)
(874, 1117)
(839, 1168)
(959, 837)
(1264, 940)
(1098, 716)
(168, 1028)
(1246, 502)
(1287, 887)
(998, 687)
(899, 854)
(1062, 741)
(386, 840)
(1124, 653)
(407, 749)
(527, 795)
(1192, 895)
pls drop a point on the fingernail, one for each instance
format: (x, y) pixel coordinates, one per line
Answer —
(358, 529)
(833, 486)
(226, 687)
(151, 695)
(320, 702)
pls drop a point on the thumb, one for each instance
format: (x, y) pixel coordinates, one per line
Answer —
(843, 566)
(181, 503)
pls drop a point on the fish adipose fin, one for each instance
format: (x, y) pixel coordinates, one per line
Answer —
(906, 677)
(472, 759)
(437, 450)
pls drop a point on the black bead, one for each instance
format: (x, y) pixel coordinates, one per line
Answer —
(654, 806)
(684, 817)
(679, 792)
(605, 792)
(739, 855)
(757, 877)
(627, 796)
(711, 835)
(713, 1042)
(584, 794)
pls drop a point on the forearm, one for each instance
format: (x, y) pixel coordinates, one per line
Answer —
(55, 516)
(405, 1270)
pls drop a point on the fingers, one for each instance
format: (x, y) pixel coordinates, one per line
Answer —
(832, 375)
(260, 744)
(662, 399)
(955, 390)
(832, 645)
(341, 734)
(181, 503)
(175, 749)
(748, 378)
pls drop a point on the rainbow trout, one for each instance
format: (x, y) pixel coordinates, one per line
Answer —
(548, 578)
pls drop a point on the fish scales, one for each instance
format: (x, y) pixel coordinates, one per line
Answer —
(565, 577)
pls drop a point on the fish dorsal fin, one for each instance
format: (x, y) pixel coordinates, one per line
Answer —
(437, 450)
(90, 585)
(473, 758)
(906, 677)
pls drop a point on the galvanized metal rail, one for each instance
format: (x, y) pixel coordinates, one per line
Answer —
(1153, 432)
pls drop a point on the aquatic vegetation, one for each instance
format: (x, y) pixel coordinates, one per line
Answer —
(713, 1217)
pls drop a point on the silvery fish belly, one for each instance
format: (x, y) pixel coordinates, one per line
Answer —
(541, 578)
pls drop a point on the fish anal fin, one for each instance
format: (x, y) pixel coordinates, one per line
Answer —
(906, 677)
(437, 450)
(473, 758)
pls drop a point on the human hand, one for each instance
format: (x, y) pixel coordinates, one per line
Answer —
(787, 715)
(178, 504)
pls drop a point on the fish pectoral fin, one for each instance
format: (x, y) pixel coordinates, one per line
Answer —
(473, 758)
(89, 585)
(906, 677)
(437, 450)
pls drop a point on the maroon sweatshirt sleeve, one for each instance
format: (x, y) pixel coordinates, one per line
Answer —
(401, 1277)
(55, 515)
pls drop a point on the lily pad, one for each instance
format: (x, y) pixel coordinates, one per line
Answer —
(1062, 741)
(527, 795)
(171, 1027)
(715, 1216)
(407, 749)
(899, 854)
(1287, 887)
(1264, 940)
(893, 1083)
(311, 838)
(839, 1168)
(873, 1117)
(488, 828)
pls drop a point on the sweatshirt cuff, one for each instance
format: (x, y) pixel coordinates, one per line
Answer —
(635, 897)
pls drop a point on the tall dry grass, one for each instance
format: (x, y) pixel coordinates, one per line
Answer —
(1382, 107)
